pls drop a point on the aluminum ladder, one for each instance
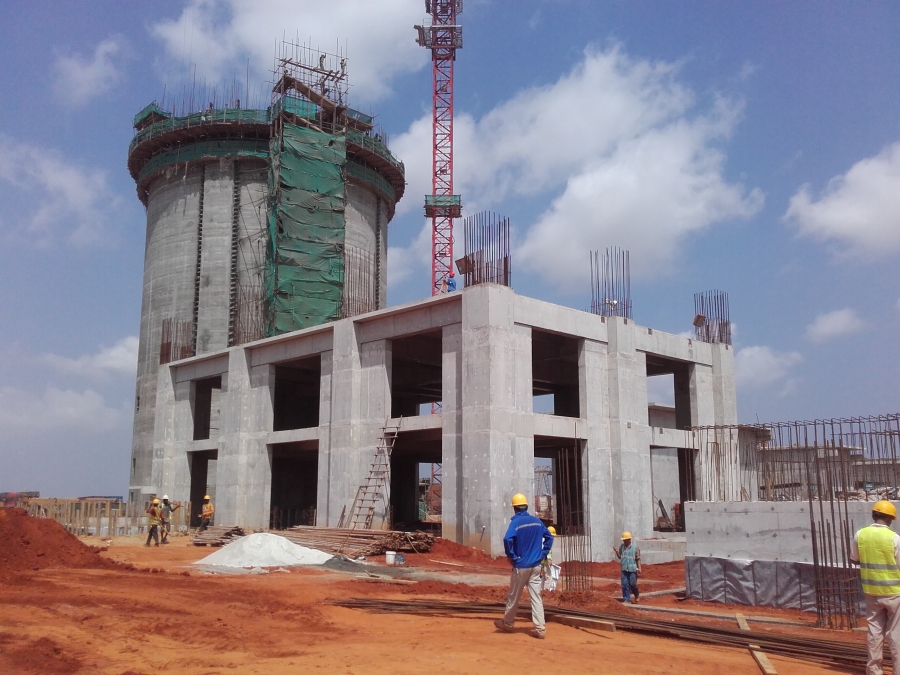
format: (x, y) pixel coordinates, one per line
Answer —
(369, 493)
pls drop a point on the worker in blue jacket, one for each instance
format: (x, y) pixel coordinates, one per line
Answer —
(527, 543)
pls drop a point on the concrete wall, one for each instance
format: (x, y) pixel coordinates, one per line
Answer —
(757, 530)
(487, 426)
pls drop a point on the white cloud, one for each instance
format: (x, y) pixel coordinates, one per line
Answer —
(219, 37)
(760, 366)
(834, 324)
(28, 413)
(858, 209)
(80, 78)
(120, 359)
(618, 141)
(62, 200)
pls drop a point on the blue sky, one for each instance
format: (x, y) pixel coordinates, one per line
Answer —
(752, 147)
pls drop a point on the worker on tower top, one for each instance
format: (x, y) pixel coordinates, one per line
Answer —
(876, 549)
(527, 543)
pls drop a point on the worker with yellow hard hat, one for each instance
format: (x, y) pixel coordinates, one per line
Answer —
(154, 518)
(876, 549)
(527, 543)
(629, 555)
(206, 514)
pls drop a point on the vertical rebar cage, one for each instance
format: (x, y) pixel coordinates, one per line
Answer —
(611, 282)
(712, 322)
(487, 258)
(826, 463)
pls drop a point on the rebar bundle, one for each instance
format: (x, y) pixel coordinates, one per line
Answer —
(834, 653)
(574, 540)
(487, 258)
(611, 283)
(177, 340)
(359, 282)
(711, 317)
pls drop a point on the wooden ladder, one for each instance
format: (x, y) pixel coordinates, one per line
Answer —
(363, 510)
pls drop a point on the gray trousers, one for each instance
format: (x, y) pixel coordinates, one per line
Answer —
(883, 617)
(518, 580)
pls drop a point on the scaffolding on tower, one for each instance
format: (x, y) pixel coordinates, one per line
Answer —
(443, 37)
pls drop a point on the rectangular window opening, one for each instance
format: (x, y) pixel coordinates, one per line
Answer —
(554, 374)
(296, 399)
(207, 394)
(416, 374)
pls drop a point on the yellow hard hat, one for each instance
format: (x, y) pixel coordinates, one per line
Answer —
(626, 535)
(519, 499)
(155, 500)
(207, 497)
(885, 508)
(552, 530)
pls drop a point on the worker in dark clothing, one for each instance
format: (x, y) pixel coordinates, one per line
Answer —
(527, 543)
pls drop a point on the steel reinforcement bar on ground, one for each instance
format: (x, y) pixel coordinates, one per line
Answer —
(835, 653)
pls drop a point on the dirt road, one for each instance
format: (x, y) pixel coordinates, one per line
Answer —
(122, 621)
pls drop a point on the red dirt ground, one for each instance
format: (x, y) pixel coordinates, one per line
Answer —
(119, 621)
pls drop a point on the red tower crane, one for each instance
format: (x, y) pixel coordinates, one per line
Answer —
(443, 37)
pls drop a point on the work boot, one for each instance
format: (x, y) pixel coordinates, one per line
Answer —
(505, 627)
(539, 634)
(634, 600)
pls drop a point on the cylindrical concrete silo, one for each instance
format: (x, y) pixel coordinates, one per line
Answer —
(206, 182)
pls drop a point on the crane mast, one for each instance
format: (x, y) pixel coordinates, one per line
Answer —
(443, 37)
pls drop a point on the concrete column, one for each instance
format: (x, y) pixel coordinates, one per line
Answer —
(343, 456)
(374, 410)
(497, 444)
(629, 431)
(451, 435)
(594, 402)
(214, 287)
(164, 427)
(703, 404)
(324, 517)
(244, 478)
(723, 384)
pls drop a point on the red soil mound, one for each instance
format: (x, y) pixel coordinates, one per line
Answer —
(37, 543)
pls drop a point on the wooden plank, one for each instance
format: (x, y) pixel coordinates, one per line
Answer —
(755, 651)
(583, 622)
(762, 660)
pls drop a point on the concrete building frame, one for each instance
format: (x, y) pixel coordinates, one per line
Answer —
(487, 426)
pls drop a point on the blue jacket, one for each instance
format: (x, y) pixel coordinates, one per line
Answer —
(527, 540)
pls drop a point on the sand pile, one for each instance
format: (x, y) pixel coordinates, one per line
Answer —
(28, 543)
(264, 550)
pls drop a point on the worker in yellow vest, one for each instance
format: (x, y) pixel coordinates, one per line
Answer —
(876, 549)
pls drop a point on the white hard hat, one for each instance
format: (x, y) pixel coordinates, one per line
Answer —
(165, 497)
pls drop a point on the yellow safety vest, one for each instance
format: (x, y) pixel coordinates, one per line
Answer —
(877, 564)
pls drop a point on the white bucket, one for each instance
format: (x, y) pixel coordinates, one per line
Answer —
(390, 557)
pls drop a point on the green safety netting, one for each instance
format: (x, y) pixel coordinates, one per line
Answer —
(305, 258)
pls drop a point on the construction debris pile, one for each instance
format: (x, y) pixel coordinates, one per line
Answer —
(264, 550)
(218, 535)
(355, 543)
